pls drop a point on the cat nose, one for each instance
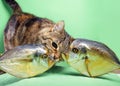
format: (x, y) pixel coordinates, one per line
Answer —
(57, 56)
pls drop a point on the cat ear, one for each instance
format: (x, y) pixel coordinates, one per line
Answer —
(59, 26)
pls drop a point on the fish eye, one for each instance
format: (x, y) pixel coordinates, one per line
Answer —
(75, 50)
(44, 56)
(54, 45)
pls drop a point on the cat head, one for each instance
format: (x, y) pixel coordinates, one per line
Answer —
(56, 38)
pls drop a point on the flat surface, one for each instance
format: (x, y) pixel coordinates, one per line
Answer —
(92, 19)
(61, 75)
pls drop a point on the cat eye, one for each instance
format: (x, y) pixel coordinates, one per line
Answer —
(54, 45)
(75, 50)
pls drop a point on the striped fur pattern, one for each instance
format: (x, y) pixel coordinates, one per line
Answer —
(24, 28)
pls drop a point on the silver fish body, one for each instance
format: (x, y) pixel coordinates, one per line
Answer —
(91, 58)
(26, 61)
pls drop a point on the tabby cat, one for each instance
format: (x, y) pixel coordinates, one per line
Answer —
(24, 28)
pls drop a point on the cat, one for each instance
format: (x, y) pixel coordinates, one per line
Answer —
(24, 28)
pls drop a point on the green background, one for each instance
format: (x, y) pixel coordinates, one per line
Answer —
(91, 19)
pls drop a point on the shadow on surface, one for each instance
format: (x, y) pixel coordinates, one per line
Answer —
(56, 69)
(9, 81)
(110, 78)
(66, 71)
(104, 77)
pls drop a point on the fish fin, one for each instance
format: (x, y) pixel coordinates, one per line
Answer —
(117, 71)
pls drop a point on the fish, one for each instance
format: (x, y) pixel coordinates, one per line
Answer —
(26, 60)
(91, 58)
